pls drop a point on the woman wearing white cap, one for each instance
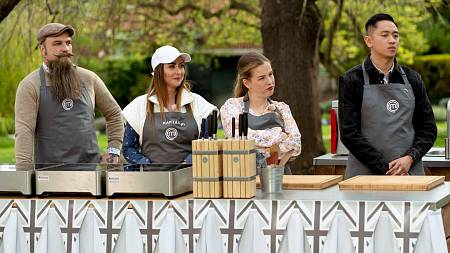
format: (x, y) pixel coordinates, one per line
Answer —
(162, 123)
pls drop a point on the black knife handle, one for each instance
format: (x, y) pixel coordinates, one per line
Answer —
(233, 127)
(241, 127)
(214, 113)
(245, 124)
(202, 128)
(210, 125)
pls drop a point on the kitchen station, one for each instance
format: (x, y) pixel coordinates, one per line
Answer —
(436, 162)
(220, 204)
(225, 213)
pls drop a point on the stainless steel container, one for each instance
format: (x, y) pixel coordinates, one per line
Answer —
(167, 179)
(16, 178)
(271, 178)
(71, 178)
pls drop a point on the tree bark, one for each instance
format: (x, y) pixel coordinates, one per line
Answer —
(6, 6)
(292, 32)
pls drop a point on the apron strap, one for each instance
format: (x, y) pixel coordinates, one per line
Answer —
(402, 73)
(42, 76)
(246, 103)
(405, 79)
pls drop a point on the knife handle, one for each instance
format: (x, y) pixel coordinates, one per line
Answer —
(202, 129)
(233, 127)
(241, 127)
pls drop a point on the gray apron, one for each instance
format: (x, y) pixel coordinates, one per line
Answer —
(65, 132)
(386, 122)
(169, 140)
(263, 122)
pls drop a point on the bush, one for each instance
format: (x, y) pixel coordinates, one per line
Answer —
(440, 113)
(6, 126)
(435, 72)
(125, 77)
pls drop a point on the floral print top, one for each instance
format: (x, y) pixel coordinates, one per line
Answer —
(288, 138)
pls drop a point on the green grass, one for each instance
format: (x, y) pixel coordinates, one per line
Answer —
(7, 144)
(442, 129)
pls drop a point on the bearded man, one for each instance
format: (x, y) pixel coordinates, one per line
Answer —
(54, 107)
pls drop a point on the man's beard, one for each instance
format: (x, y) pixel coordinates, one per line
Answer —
(64, 80)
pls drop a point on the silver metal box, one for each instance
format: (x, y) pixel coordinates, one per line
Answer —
(70, 178)
(167, 179)
(16, 178)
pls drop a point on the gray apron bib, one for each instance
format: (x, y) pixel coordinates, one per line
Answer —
(386, 122)
(169, 140)
(263, 122)
(65, 132)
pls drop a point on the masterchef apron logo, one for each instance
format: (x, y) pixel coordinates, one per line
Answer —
(67, 104)
(392, 106)
(171, 133)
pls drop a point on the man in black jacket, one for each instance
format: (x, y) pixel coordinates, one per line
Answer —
(386, 120)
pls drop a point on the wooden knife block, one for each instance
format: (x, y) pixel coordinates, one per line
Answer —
(239, 168)
(207, 168)
(224, 168)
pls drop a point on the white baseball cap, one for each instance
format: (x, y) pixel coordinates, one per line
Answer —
(167, 54)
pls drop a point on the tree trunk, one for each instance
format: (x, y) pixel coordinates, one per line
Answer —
(6, 6)
(291, 33)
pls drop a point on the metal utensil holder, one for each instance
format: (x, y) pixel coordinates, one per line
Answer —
(272, 179)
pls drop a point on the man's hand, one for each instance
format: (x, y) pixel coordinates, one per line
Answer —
(400, 166)
(109, 159)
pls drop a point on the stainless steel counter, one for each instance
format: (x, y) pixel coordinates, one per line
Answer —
(438, 197)
(428, 161)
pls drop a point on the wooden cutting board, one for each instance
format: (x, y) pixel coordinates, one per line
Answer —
(307, 182)
(391, 183)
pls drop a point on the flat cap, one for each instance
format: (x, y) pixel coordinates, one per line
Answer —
(52, 30)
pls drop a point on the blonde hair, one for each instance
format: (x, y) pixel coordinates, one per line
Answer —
(158, 88)
(245, 65)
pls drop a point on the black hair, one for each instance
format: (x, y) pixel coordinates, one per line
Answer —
(372, 21)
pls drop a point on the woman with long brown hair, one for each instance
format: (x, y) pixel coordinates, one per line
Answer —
(270, 123)
(162, 123)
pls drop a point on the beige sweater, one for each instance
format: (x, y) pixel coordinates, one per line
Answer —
(27, 106)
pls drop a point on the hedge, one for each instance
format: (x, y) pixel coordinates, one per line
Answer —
(435, 72)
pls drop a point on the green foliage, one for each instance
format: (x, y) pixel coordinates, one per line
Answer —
(349, 48)
(125, 77)
(435, 71)
(17, 57)
(437, 28)
(6, 126)
(440, 113)
(109, 30)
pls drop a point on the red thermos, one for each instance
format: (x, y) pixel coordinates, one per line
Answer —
(337, 147)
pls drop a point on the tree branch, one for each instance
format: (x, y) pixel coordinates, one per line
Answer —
(326, 57)
(50, 11)
(6, 7)
(236, 5)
